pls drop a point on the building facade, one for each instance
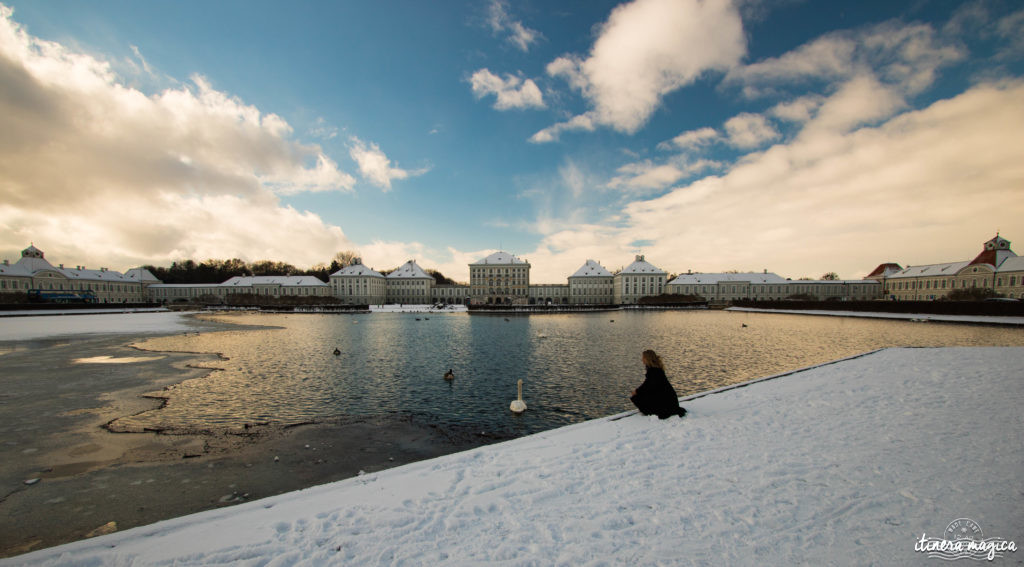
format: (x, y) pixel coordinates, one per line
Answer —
(499, 279)
(639, 279)
(592, 284)
(549, 294)
(996, 269)
(410, 284)
(724, 287)
(359, 285)
(33, 274)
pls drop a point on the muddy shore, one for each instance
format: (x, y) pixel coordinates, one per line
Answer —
(63, 476)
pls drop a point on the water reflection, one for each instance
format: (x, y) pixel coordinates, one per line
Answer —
(574, 367)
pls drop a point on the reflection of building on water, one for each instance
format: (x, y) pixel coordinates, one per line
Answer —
(502, 278)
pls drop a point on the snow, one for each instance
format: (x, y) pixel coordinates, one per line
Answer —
(91, 322)
(416, 308)
(844, 463)
(920, 317)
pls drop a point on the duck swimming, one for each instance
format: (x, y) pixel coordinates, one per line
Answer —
(449, 375)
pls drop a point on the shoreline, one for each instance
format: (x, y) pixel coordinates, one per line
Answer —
(851, 461)
(56, 434)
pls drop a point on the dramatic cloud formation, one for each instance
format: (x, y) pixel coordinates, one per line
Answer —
(511, 92)
(833, 196)
(645, 50)
(375, 167)
(199, 169)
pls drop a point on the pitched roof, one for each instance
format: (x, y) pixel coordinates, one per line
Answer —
(711, 279)
(14, 270)
(591, 268)
(642, 266)
(357, 270)
(947, 269)
(499, 257)
(141, 275)
(288, 281)
(884, 270)
(409, 270)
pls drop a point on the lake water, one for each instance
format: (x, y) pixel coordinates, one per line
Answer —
(574, 366)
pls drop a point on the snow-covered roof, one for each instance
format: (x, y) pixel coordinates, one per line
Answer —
(499, 258)
(885, 269)
(356, 270)
(591, 268)
(1014, 264)
(141, 275)
(94, 275)
(711, 279)
(409, 270)
(642, 266)
(15, 269)
(826, 282)
(929, 270)
(287, 281)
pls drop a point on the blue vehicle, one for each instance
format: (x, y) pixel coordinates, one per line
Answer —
(54, 296)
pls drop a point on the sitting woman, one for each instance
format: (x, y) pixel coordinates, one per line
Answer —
(656, 396)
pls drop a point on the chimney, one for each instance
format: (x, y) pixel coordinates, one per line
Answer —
(639, 257)
(62, 266)
(766, 270)
(7, 262)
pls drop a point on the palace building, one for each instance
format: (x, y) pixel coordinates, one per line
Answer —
(996, 269)
(502, 278)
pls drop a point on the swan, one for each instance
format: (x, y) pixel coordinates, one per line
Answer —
(518, 405)
(449, 375)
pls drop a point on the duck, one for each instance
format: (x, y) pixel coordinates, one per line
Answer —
(337, 351)
(449, 375)
(518, 405)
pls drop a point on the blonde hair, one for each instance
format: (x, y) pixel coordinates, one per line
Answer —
(652, 359)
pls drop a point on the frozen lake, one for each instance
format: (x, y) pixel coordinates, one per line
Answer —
(574, 366)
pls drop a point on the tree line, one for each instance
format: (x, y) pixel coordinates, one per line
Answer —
(216, 271)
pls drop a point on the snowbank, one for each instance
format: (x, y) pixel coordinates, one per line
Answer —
(42, 326)
(416, 308)
(846, 463)
(920, 317)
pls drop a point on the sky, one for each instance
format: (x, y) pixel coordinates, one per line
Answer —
(795, 137)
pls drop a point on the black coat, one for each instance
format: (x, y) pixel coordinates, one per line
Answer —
(656, 396)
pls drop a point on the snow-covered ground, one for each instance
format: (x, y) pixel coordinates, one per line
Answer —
(42, 326)
(415, 308)
(845, 463)
(921, 317)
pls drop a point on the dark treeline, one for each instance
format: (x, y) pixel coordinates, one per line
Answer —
(217, 271)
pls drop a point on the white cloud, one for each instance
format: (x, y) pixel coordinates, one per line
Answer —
(748, 131)
(647, 49)
(375, 166)
(647, 175)
(914, 187)
(798, 110)
(510, 93)
(95, 167)
(906, 57)
(502, 23)
(582, 122)
(691, 139)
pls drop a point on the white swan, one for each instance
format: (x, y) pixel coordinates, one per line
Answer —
(518, 405)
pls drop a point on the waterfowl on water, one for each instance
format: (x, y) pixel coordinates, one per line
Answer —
(449, 375)
(337, 351)
(518, 405)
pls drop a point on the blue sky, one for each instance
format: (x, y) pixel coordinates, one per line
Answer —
(798, 137)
